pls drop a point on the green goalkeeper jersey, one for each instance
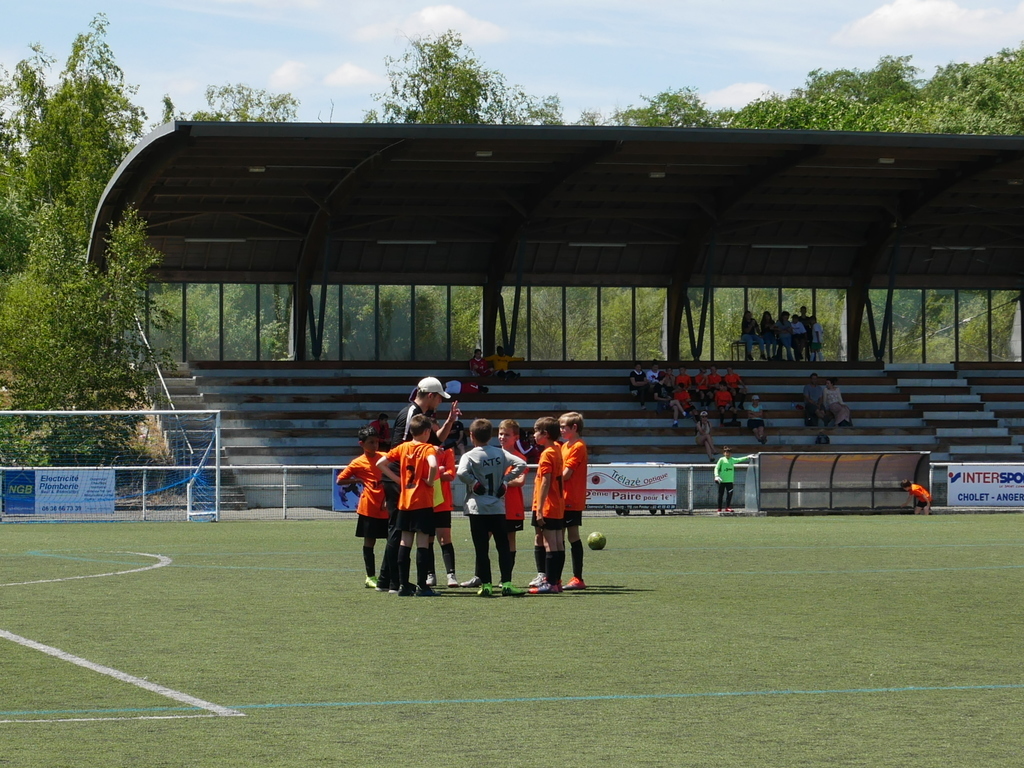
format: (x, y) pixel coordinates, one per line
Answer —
(725, 469)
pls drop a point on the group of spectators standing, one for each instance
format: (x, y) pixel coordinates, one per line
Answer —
(693, 397)
(799, 335)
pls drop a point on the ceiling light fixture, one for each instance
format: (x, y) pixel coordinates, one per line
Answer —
(887, 160)
(484, 153)
(257, 169)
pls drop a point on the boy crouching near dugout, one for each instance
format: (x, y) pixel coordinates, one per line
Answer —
(574, 478)
(417, 463)
(919, 495)
(372, 521)
(549, 506)
(483, 469)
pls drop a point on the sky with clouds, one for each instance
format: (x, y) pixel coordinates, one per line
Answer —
(594, 54)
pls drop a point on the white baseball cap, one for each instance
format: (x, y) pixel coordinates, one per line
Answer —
(430, 384)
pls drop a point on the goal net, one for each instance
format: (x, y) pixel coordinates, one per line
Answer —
(109, 465)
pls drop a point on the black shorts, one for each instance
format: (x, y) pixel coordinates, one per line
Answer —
(920, 503)
(573, 518)
(443, 519)
(511, 526)
(417, 521)
(550, 523)
(372, 527)
(755, 423)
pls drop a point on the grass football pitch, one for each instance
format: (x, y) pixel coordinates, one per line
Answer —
(810, 641)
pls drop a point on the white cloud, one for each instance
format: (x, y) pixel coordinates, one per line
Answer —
(348, 75)
(736, 95)
(434, 20)
(290, 75)
(918, 22)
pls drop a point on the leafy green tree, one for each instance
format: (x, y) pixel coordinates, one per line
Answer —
(982, 98)
(67, 330)
(64, 141)
(440, 80)
(238, 103)
(682, 108)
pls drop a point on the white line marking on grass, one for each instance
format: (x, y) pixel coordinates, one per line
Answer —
(122, 676)
(161, 562)
(108, 719)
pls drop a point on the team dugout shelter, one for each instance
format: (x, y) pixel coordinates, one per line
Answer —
(420, 242)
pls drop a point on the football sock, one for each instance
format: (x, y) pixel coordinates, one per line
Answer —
(404, 564)
(540, 556)
(577, 558)
(512, 555)
(559, 565)
(448, 555)
(549, 567)
(423, 563)
(430, 559)
(368, 561)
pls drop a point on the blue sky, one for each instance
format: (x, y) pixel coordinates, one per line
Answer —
(595, 54)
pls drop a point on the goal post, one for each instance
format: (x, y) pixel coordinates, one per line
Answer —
(110, 465)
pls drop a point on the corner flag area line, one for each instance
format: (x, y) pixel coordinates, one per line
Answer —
(124, 677)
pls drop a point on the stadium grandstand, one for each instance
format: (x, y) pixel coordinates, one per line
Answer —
(315, 271)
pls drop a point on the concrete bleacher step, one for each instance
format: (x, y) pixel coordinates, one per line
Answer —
(308, 413)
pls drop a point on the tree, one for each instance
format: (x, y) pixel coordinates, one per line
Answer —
(67, 331)
(982, 98)
(682, 108)
(239, 103)
(439, 80)
(64, 141)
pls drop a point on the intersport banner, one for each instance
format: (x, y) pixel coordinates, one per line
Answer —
(981, 485)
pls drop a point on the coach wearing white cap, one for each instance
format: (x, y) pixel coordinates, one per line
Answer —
(428, 396)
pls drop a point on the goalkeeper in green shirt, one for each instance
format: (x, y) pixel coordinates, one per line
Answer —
(725, 473)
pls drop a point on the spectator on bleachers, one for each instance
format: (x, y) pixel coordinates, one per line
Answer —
(525, 445)
(639, 385)
(704, 391)
(813, 409)
(734, 383)
(832, 402)
(655, 375)
(784, 331)
(383, 432)
(817, 345)
(662, 397)
(799, 337)
(682, 405)
(768, 335)
(683, 380)
(456, 387)
(702, 435)
(750, 335)
(501, 364)
(755, 419)
(725, 405)
(714, 379)
(478, 366)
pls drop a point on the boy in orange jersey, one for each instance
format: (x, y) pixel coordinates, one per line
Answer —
(443, 515)
(574, 483)
(515, 510)
(723, 399)
(372, 521)
(919, 495)
(549, 505)
(681, 405)
(734, 383)
(417, 466)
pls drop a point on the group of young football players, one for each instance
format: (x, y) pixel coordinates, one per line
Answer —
(493, 476)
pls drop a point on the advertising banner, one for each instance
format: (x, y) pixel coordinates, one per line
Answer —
(979, 485)
(59, 491)
(637, 486)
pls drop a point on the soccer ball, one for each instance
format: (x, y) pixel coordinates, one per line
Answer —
(596, 540)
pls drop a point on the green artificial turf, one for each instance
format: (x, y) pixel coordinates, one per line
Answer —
(839, 641)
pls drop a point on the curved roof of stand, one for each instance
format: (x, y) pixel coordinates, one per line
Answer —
(402, 203)
(570, 205)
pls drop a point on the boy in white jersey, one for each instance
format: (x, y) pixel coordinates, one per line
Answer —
(483, 469)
